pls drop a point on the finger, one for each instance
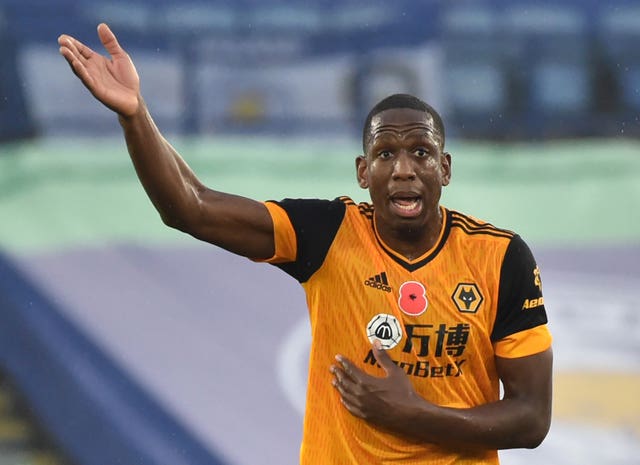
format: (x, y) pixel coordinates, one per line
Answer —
(350, 370)
(83, 50)
(382, 357)
(355, 411)
(345, 387)
(350, 403)
(108, 39)
(81, 71)
(345, 390)
(63, 39)
(342, 380)
(78, 48)
(77, 66)
(70, 51)
(70, 56)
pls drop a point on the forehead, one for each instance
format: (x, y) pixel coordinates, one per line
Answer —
(400, 121)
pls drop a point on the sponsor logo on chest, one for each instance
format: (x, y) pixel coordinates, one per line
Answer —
(439, 346)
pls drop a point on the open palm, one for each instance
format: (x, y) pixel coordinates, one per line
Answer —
(115, 81)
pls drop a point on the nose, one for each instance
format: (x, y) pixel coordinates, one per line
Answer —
(403, 167)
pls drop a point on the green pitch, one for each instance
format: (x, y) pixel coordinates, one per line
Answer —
(83, 192)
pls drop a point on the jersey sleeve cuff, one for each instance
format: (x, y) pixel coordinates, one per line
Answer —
(284, 235)
(523, 343)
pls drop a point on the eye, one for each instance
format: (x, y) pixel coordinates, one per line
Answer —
(385, 154)
(421, 152)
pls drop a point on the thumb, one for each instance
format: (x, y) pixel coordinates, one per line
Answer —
(382, 357)
(109, 40)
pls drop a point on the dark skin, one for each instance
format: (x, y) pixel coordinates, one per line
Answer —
(404, 169)
(520, 419)
(235, 223)
(405, 163)
(405, 160)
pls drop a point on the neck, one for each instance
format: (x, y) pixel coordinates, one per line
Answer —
(412, 241)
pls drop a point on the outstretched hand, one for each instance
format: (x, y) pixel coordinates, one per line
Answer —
(388, 401)
(115, 81)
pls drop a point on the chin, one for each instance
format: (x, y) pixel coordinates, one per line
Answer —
(410, 226)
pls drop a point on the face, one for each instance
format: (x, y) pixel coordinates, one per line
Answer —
(404, 169)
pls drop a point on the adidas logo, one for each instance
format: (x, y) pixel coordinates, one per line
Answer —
(379, 281)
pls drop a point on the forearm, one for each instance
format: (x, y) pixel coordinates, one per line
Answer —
(505, 424)
(521, 419)
(168, 181)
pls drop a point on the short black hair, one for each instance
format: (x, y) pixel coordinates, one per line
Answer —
(400, 101)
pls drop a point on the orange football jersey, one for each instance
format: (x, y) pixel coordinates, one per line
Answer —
(442, 317)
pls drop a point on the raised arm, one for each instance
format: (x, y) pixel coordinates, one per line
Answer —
(238, 224)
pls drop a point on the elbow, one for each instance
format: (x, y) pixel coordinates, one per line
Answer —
(529, 431)
(187, 224)
(536, 433)
(181, 213)
(534, 441)
(174, 221)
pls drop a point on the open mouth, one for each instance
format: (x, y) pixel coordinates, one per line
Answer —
(407, 205)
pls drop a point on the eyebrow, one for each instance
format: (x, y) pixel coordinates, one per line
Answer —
(389, 129)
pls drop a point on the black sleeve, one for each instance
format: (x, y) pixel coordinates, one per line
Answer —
(520, 301)
(316, 223)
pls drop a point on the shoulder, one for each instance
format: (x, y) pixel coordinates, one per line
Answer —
(314, 225)
(361, 210)
(471, 227)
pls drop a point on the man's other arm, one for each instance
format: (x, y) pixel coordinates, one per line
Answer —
(520, 419)
(238, 224)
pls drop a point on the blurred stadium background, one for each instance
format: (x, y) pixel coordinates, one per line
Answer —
(122, 341)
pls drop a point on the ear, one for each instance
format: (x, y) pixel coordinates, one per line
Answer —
(361, 171)
(446, 168)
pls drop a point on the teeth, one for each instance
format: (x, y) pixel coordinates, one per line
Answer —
(405, 204)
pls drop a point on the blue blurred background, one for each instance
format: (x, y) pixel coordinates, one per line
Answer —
(125, 342)
(505, 70)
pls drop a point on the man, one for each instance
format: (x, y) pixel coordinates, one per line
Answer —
(417, 311)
